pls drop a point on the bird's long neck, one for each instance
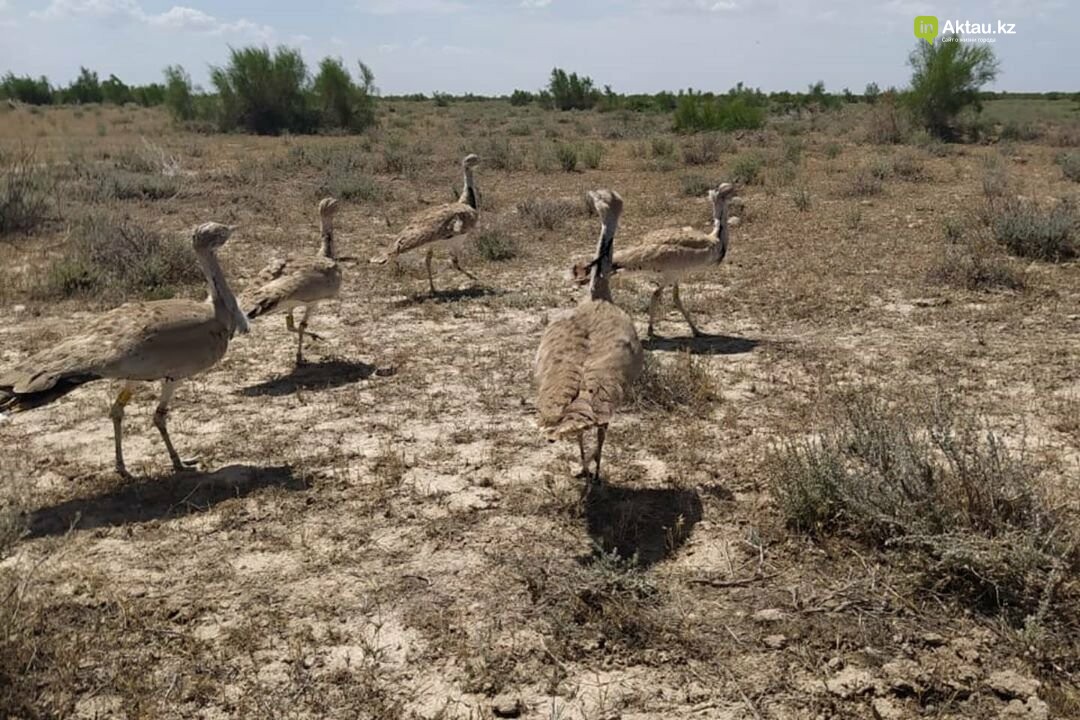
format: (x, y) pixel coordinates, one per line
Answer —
(720, 230)
(326, 249)
(599, 285)
(468, 193)
(226, 309)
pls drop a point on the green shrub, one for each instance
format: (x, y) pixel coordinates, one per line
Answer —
(662, 147)
(343, 103)
(696, 112)
(567, 156)
(26, 89)
(263, 93)
(946, 79)
(495, 245)
(591, 155)
(521, 97)
(570, 92)
(1030, 231)
(746, 169)
(832, 150)
(695, 185)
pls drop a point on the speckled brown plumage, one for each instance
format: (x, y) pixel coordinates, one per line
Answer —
(298, 281)
(671, 254)
(589, 356)
(440, 227)
(166, 340)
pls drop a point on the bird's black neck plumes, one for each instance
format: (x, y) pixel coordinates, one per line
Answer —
(720, 232)
(599, 285)
(469, 195)
(326, 249)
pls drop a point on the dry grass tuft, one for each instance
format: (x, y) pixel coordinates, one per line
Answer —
(549, 213)
(938, 486)
(25, 192)
(111, 258)
(686, 383)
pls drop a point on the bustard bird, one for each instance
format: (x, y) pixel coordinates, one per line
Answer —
(443, 226)
(590, 356)
(298, 281)
(671, 254)
(166, 340)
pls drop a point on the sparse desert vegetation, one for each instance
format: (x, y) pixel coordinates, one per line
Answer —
(855, 496)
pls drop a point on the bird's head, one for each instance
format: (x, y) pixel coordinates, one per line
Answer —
(328, 206)
(211, 235)
(470, 161)
(719, 197)
(608, 205)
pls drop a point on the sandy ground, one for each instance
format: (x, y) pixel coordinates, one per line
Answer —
(383, 533)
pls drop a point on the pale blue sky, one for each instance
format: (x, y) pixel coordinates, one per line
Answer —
(494, 46)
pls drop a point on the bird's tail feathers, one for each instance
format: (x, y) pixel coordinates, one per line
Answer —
(15, 402)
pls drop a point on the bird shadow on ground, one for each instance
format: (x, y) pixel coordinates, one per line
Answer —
(702, 344)
(312, 376)
(647, 523)
(157, 498)
(445, 296)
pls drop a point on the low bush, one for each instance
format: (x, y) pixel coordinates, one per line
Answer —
(111, 258)
(1032, 231)
(939, 487)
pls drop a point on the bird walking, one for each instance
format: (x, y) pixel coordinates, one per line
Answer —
(672, 254)
(298, 281)
(441, 227)
(590, 356)
(166, 340)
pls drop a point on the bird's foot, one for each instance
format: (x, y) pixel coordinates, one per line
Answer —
(122, 471)
(181, 465)
(697, 333)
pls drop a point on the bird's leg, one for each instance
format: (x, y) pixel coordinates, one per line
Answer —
(581, 450)
(290, 324)
(301, 329)
(601, 431)
(117, 415)
(654, 302)
(454, 263)
(427, 264)
(685, 314)
(168, 387)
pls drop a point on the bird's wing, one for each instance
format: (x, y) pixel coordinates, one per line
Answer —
(306, 280)
(139, 341)
(436, 223)
(585, 366)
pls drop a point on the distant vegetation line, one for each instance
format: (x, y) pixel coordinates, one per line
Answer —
(269, 92)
